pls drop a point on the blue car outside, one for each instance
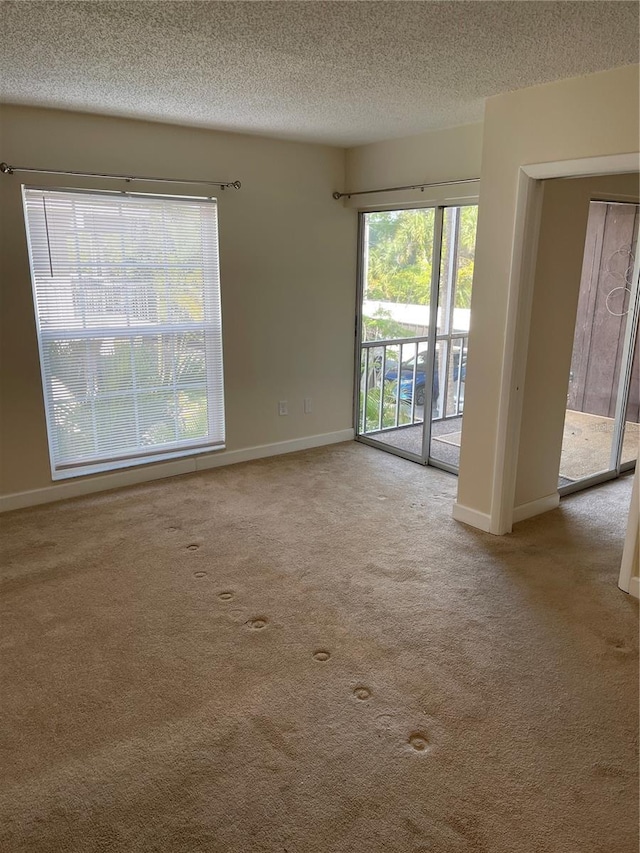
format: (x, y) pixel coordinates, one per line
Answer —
(407, 378)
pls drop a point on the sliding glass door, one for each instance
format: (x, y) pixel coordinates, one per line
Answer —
(414, 310)
(601, 428)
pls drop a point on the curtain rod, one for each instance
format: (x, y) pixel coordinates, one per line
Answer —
(420, 187)
(6, 169)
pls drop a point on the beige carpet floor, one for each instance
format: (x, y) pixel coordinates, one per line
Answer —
(306, 654)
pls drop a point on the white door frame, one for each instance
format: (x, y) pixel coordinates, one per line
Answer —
(519, 307)
(629, 569)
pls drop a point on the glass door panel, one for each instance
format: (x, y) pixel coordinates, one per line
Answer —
(397, 264)
(600, 429)
(453, 318)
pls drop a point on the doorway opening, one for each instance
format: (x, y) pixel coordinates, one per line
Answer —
(601, 429)
(414, 310)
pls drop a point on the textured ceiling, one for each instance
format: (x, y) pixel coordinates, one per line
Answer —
(338, 72)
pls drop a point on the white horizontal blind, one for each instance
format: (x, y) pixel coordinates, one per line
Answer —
(127, 298)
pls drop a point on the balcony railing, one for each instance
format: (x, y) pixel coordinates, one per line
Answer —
(393, 397)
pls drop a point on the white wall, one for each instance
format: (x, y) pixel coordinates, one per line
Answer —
(587, 117)
(443, 155)
(288, 256)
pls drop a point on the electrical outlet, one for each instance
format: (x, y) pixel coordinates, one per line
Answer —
(307, 406)
(283, 408)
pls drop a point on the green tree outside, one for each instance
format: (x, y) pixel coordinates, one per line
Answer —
(401, 254)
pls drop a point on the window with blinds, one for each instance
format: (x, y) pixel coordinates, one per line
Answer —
(127, 301)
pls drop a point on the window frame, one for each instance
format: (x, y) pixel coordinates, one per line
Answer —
(61, 469)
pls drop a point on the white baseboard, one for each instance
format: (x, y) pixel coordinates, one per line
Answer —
(96, 483)
(472, 517)
(231, 457)
(483, 521)
(536, 507)
(160, 470)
